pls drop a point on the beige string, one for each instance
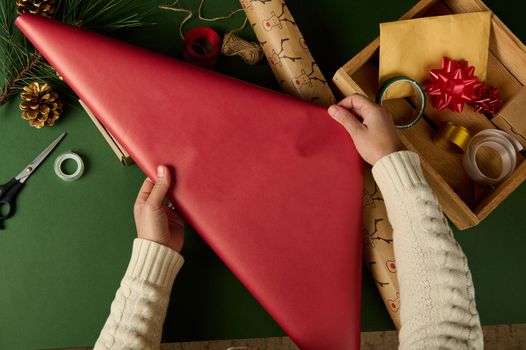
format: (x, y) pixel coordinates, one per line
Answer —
(233, 45)
(189, 14)
(173, 7)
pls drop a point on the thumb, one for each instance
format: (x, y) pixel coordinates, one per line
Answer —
(345, 118)
(162, 184)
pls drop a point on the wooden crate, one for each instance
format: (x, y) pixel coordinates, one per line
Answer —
(465, 202)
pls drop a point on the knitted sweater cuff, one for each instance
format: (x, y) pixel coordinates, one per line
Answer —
(154, 263)
(397, 172)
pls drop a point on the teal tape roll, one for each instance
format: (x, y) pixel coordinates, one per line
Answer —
(418, 88)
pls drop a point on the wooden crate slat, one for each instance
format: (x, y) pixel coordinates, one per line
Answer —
(501, 78)
(503, 190)
(357, 61)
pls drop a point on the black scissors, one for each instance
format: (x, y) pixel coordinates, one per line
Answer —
(9, 191)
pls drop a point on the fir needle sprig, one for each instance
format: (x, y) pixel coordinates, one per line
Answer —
(21, 64)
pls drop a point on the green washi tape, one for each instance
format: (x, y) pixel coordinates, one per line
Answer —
(420, 90)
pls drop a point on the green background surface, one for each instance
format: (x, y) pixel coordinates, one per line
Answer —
(64, 252)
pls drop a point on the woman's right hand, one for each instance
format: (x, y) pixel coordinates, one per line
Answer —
(371, 127)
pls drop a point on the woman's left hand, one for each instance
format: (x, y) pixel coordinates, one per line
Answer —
(155, 221)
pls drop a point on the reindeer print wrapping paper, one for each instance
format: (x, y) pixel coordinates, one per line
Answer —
(298, 75)
(378, 252)
(286, 51)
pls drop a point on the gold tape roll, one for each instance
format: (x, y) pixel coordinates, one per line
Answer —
(452, 137)
(286, 51)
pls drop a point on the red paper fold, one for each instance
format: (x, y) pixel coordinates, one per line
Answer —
(271, 183)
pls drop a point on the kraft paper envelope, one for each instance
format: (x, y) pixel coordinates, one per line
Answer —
(413, 47)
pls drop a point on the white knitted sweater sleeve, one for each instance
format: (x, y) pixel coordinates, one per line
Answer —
(139, 308)
(437, 296)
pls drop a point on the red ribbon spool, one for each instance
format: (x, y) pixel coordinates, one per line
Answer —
(202, 46)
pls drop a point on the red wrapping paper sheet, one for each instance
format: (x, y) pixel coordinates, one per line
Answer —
(271, 183)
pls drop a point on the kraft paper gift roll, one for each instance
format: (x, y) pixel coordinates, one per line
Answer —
(286, 51)
(298, 75)
(378, 252)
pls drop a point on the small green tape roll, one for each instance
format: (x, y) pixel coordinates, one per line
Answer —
(61, 159)
(417, 87)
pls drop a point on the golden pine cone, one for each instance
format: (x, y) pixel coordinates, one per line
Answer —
(45, 8)
(40, 105)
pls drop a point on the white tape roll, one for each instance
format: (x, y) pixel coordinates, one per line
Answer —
(498, 140)
(61, 159)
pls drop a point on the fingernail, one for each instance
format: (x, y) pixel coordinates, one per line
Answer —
(160, 171)
(333, 110)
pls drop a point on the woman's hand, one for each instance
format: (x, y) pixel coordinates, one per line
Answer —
(370, 126)
(155, 221)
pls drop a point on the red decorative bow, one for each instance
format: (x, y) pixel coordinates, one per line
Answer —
(488, 99)
(453, 85)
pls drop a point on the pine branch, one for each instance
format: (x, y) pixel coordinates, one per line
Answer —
(11, 84)
(20, 62)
